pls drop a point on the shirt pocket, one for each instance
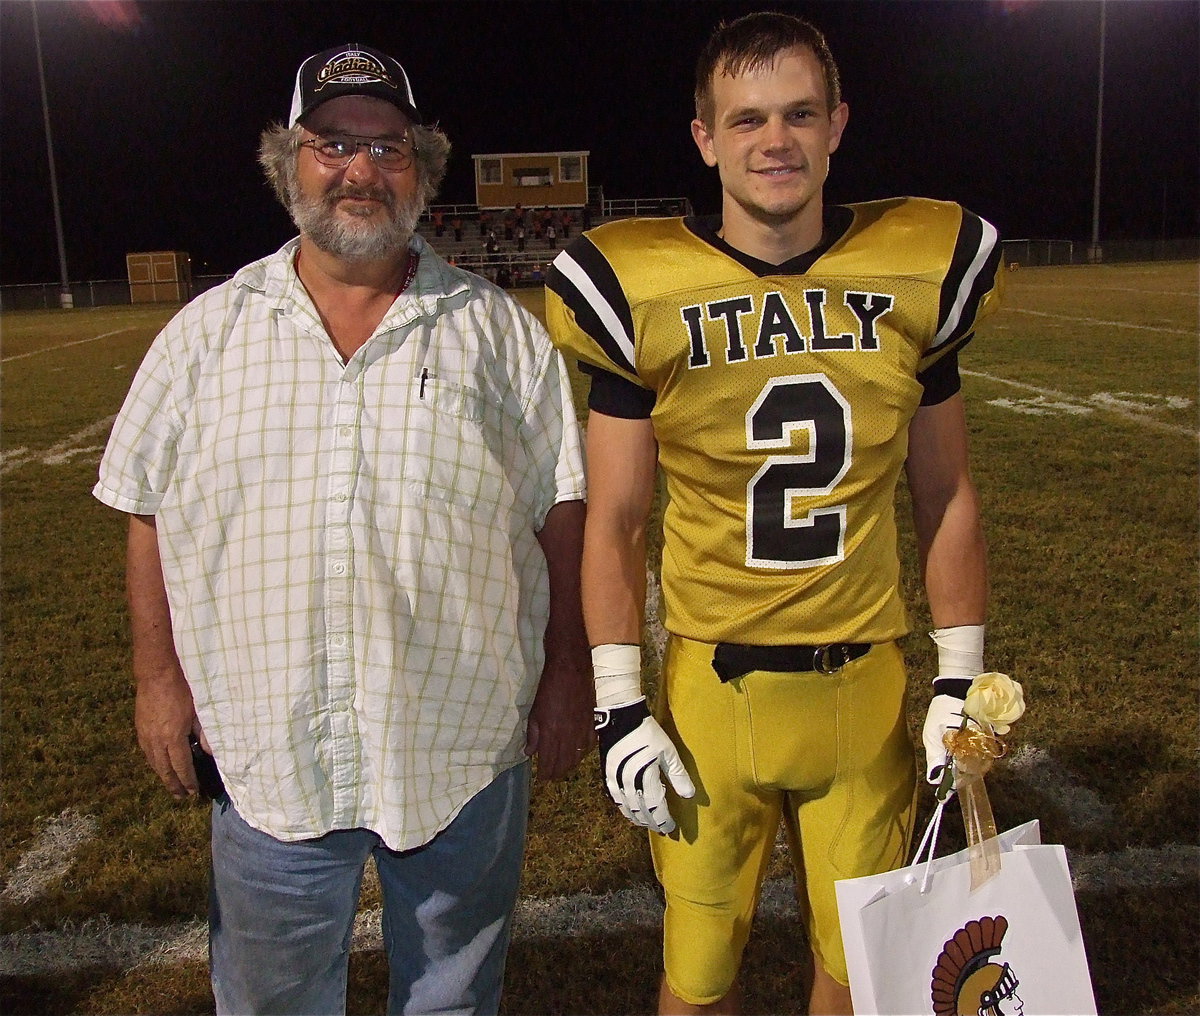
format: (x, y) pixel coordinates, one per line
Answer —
(454, 447)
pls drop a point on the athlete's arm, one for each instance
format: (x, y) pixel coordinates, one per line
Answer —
(953, 563)
(946, 516)
(622, 457)
(634, 751)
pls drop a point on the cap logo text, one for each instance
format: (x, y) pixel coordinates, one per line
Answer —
(352, 67)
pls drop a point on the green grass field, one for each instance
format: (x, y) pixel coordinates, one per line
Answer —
(1082, 405)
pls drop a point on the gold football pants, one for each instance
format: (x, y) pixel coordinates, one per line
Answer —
(829, 754)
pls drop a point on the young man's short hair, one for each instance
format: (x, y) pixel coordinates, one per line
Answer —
(753, 41)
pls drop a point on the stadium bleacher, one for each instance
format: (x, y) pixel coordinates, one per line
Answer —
(513, 267)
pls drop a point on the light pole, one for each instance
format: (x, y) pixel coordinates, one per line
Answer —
(1095, 253)
(65, 299)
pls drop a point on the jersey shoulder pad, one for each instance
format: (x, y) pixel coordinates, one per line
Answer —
(941, 243)
(596, 280)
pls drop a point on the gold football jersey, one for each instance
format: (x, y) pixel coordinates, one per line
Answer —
(781, 401)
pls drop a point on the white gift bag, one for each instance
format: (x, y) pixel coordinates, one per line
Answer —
(918, 940)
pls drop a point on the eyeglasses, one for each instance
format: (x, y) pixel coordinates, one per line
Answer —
(337, 151)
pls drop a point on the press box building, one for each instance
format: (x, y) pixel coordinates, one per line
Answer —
(531, 179)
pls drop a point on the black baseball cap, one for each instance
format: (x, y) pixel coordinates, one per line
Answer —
(350, 70)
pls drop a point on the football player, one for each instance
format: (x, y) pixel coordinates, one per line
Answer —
(781, 363)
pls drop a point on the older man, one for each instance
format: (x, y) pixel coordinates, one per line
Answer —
(355, 491)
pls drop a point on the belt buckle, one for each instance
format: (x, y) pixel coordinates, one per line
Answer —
(823, 658)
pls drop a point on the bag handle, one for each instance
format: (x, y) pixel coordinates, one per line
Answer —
(929, 842)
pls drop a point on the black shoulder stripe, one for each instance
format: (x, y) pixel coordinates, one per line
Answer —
(941, 380)
(587, 284)
(970, 277)
(613, 395)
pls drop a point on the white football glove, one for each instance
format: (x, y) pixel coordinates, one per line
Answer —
(945, 713)
(960, 660)
(633, 747)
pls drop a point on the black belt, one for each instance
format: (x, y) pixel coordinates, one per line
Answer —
(732, 660)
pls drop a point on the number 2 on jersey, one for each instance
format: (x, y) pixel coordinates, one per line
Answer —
(779, 533)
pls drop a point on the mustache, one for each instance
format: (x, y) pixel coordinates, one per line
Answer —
(350, 190)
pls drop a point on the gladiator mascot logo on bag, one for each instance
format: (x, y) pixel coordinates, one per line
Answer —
(966, 982)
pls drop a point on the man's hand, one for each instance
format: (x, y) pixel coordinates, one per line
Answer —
(560, 730)
(164, 716)
(945, 713)
(633, 748)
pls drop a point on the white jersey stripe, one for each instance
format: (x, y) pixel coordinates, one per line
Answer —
(572, 270)
(986, 245)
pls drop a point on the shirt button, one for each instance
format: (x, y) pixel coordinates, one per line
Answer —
(338, 640)
(340, 496)
(339, 568)
(345, 431)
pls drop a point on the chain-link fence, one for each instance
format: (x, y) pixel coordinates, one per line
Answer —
(1081, 252)
(95, 293)
(528, 268)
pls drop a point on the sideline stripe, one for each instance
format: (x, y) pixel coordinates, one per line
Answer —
(1107, 324)
(1050, 393)
(67, 345)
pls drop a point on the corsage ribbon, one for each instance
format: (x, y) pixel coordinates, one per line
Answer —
(972, 753)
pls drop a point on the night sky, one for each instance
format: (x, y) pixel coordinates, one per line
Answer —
(156, 107)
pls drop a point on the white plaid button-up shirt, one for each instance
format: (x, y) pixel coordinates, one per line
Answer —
(358, 597)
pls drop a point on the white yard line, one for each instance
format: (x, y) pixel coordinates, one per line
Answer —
(50, 856)
(1038, 771)
(1111, 289)
(61, 452)
(1106, 324)
(66, 345)
(1108, 404)
(100, 942)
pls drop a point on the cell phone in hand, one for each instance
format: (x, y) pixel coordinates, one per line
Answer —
(207, 775)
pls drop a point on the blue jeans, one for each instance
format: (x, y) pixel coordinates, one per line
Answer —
(281, 914)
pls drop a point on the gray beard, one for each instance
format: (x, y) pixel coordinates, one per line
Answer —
(317, 219)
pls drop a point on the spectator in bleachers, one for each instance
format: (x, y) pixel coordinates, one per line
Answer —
(456, 225)
(439, 225)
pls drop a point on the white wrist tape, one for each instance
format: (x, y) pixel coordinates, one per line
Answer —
(618, 673)
(960, 650)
